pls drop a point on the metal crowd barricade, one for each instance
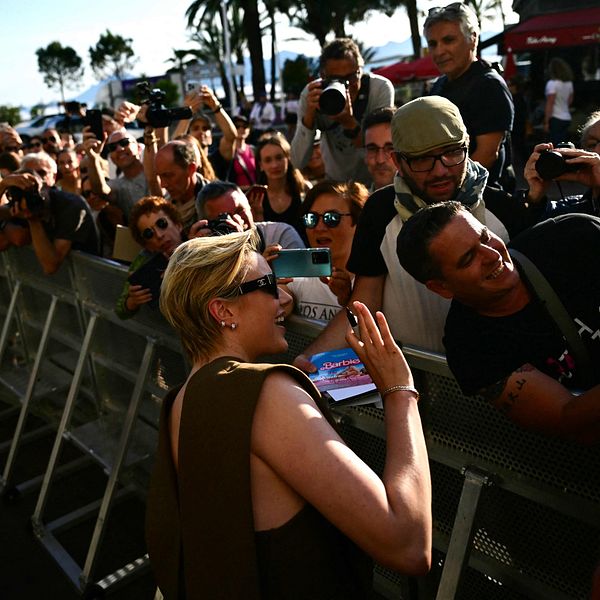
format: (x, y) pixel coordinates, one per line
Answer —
(44, 313)
(516, 514)
(134, 361)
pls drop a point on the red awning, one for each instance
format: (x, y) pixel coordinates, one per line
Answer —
(572, 28)
(401, 72)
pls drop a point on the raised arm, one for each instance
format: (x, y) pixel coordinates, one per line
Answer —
(389, 518)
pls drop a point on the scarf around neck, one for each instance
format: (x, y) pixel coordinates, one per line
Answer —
(470, 193)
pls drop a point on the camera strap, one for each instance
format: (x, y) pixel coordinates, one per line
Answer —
(360, 104)
(555, 308)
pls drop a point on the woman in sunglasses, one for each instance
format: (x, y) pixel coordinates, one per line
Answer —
(331, 211)
(155, 225)
(254, 494)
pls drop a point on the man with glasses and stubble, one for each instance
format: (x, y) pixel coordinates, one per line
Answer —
(430, 154)
(480, 93)
(125, 190)
(341, 139)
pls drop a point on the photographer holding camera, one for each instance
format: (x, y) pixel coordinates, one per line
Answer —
(335, 105)
(54, 222)
(566, 163)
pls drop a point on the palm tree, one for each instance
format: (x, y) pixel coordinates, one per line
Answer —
(486, 9)
(178, 59)
(202, 12)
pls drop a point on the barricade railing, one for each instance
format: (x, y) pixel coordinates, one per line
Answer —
(516, 514)
(44, 314)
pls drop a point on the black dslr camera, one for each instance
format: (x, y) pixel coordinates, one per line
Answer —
(333, 98)
(158, 115)
(220, 226)
(35, 201)
(552, 164)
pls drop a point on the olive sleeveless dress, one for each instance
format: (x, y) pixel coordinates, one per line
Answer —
(199, 522)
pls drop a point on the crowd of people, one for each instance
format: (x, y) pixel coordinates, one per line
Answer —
(418, 207)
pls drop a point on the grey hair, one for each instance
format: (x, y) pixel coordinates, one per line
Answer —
(463, 15)
(39, 156)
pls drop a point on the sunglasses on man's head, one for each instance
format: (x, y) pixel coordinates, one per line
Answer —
(267, 284)
(455, 7)
(331, 218)
(161, 223)
(123, 142)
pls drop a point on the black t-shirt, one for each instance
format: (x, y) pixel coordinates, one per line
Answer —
(70, 219)
(485, 104)
(484, 350)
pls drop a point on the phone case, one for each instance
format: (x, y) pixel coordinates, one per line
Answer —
(303, 262)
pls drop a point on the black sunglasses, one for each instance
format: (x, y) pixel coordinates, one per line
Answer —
(267, 283)
(161, 223)
(47, 140)
(331, 218)
(123, 142)
(33, 145)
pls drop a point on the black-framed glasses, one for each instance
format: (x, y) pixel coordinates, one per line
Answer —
(331, 218)
(422, 164)
(455, 7)
(373, 150)
(161, 223)
(47, 140)
(123, 142)
(267, 283)
(30, 145)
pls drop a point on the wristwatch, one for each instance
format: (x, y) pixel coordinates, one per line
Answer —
(352, 134)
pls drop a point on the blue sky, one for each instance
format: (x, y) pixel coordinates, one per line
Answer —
(155, 26)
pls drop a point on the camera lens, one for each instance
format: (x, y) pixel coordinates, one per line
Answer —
(320, 258)
(333, 98)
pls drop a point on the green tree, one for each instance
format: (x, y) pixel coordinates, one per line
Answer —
(178, 59)
(486, 9)
(111, 56)
(295, 73)
(201, 13)
(60, 65)
(9, 114)
(37, 110)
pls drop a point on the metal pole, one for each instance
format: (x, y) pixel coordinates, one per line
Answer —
(228, 68)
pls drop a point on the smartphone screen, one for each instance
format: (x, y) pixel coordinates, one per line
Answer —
(303, 262)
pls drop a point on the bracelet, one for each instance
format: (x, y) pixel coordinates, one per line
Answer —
(218, 108)
(400, 388)
(150, 139)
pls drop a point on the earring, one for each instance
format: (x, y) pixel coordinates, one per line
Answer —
(222, 323)
(233, 325)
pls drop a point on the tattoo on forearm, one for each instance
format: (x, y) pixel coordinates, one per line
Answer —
(492, 392)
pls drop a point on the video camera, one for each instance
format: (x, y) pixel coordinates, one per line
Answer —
(552, 164)
(158, 115)
(333, 97)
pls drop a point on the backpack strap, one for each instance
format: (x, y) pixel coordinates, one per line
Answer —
(555, 308)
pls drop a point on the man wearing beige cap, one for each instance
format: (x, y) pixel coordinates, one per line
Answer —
(431, 157)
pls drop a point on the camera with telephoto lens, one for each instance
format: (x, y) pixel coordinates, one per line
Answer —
(333, 97)
(35, 201)
(158, 115)
(552, 164)
(220, 226)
